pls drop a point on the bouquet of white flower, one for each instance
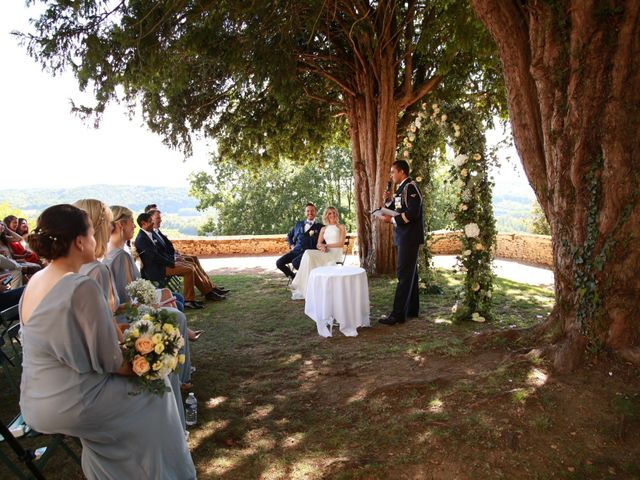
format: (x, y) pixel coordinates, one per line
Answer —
(142, 291)
(151, 345)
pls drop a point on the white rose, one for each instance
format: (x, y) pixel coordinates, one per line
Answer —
(463, 207)
(460, 160)
(472, 230)
(443, 118)
(418, 179)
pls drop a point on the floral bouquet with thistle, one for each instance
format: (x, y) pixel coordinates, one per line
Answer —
(142, 292)
(151, 345)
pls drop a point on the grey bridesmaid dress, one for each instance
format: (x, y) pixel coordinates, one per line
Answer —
(70, 351)
(124, 271)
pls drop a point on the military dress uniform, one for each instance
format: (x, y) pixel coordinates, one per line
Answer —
(408, 235)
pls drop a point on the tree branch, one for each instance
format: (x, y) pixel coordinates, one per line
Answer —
(409, 98)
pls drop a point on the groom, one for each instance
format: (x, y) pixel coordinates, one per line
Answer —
(303, 236)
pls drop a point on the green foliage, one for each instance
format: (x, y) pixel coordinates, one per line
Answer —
(538, 223)
(269, 200)
(6, 209)
(469, 200)
(266, 79)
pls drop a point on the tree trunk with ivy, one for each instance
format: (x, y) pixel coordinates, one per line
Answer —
(572, 68)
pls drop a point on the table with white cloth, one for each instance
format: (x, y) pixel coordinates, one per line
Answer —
(338, 293)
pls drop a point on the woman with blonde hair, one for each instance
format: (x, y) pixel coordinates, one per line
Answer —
(330, 248)
(101, 216)
(71, 382)
(124, 271)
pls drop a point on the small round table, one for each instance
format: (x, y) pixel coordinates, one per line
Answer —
(338, 293)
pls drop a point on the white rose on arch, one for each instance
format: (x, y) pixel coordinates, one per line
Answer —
(472, 230)
(460, 160)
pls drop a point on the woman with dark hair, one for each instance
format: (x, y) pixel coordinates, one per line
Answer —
(16, 242)
(72, 378)
(11, 247)
(23, 227)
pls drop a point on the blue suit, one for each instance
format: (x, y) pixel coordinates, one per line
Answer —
(299, 241)
(408, 235)
(154, 259)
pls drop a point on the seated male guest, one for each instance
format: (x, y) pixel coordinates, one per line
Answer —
(303, 236)
(204, 284)
(156, 264)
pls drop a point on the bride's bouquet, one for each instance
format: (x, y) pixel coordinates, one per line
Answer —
(151, 345)
(142, 291)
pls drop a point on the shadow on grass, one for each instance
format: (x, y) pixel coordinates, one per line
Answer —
(276, 401)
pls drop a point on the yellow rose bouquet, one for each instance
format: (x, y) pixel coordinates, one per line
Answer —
(151, 345)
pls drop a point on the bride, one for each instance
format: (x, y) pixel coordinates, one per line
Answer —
(330, 247)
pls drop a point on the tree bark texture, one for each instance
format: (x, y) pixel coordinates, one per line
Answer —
(572, 72)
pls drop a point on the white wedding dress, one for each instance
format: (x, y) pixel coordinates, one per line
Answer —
(315, 258)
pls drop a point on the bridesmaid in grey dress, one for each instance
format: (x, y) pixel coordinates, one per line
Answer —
(124, 271)
(101, 218)
(72, 379)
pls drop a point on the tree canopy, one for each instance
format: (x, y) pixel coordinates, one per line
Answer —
(272, 79)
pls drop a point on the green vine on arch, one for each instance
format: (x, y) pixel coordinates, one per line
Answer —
(469, 173)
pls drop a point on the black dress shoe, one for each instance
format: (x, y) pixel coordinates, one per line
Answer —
(220, 291)
(199, 303)
(216, 297)
(391, 320)
(193, 305)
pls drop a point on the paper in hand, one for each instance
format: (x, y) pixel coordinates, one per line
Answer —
(378, 212)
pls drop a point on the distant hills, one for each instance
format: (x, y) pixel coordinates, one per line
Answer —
(511, 202)
(170, 200)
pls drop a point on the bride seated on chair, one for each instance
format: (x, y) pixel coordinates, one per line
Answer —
(330, 249)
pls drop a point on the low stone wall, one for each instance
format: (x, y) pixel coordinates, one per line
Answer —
(525, 247)
(535, 249)
(237, 245)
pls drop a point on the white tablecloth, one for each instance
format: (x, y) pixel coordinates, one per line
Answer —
(340, 293)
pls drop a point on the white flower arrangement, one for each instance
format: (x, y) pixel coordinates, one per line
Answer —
(151, 345)
(472, 230)
(142, 291)
(460, 160)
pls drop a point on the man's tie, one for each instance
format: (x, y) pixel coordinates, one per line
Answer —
(160, 240)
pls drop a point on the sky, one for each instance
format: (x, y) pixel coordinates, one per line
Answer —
(41, 137)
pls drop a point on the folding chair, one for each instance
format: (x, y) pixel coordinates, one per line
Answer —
(36, 460)
(7, 338)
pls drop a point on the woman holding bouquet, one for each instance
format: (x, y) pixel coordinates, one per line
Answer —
(72, 365)
(125, 271)
(101, 219)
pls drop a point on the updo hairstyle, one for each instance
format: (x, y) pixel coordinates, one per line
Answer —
(56, 229)
(120, 213)
(100, 216)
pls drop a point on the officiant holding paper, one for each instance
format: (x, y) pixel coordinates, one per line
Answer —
(408, 235)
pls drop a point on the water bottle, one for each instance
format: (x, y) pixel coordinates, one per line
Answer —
(191, 410)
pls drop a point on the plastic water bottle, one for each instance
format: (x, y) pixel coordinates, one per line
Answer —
(191, 410)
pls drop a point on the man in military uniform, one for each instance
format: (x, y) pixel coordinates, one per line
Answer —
(408, 235)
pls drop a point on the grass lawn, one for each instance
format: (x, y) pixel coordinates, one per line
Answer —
(414, 401)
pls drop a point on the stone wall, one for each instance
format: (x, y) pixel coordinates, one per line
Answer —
(535, 249)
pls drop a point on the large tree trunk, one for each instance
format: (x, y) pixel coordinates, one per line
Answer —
(372, 127)
(572, 70)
